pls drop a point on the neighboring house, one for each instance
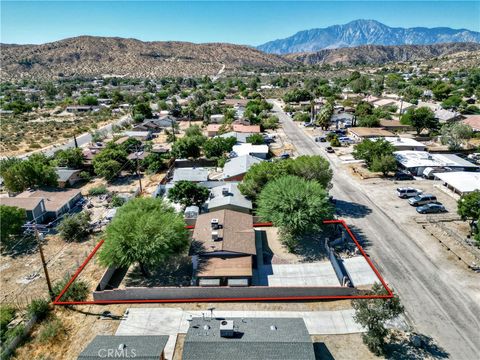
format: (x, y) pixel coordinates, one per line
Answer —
(145, 347)
(241, 137)
(400, 143)
(213, 129)
(394, 125)
(223, 248)
(156, 125)
(443, 115)
(190, 174)
(34, 207)
(228, 197)
(383, 102)
(80, 109)
(139, 135)
(248, 338)
(67, 177)
(139, 155)
(417, 161)
(255, 129)
(473, 121)
(461, 182)
(236, 168)
(217, 118)
(260, 151)
(362, 133)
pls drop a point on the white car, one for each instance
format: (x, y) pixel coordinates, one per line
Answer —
(408, 192)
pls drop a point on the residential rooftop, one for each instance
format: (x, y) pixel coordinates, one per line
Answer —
(410, 159)
(190, 174)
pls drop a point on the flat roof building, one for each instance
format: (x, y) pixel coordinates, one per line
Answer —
(361, 133)
(417, 161)
(260, 151)
(228, 197)
(190, 174)
(235, 168)
(400, 143)
(461, 182)
(248, 338)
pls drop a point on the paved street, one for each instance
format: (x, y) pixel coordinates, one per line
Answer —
(440, 300)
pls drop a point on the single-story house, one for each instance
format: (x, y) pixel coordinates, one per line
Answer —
(198, 174)
(236, 168)
(401, 143)
(417, 161)
(260, 151)
(67, 177)
(228, 196)
(254, 129)
(247, 338)
(473, 121)
(461, 182)
(394, 125)
(217, 118)
(383, 102)
(361, 133)
(138, 155)
(75, 109)
(139, 135)
(236, 102)
(121, 140)
(156, 125)
(56, 202)
(444, 115)
(223, 247)
(241, 137)
(34, 207)
(145, 347)
(213, 129)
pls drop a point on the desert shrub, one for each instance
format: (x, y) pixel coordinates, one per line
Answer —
(51, 330)
(75, 227)
(39, 308)
(117, 201)
(78, 290)
(99, 190)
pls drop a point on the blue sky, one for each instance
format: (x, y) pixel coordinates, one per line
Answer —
(243, 22)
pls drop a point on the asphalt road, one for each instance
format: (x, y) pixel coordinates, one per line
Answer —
(436, 301)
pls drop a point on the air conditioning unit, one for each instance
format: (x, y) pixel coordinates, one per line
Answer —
(225, 191)
(214, 223)
(214, 235)
(226, 328)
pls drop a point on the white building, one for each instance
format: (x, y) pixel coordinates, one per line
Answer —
(417, 161)
(260, 151)
(401, 143)
(461, 182)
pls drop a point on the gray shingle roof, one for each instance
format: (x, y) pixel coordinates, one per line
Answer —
(239, 165)
(138, 347)
(234, 197)
(255, 338)
(190, 174)
(65, 174)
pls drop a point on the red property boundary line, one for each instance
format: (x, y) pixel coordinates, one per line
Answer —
(389, 294)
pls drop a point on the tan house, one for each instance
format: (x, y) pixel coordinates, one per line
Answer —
(223, 248)
(241, 128)
(213, 129)
(361, 133)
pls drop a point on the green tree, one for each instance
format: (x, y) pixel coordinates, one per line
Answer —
(361, 85)
(75, 227)
(295, 205)
(256, 139)
(88, 100)
(145, 231)
(194, 130)
(324, 116)
(384, 164)
(12, 219)
(270, 122)
(455, 135)
(372, 314)
(468, 207)
(335, 142)
(369, 121)
(188, 147)
(420, 118)
(72, 158)
(78, 290)
(215, 147)
(188, 193)
(110, 161)
(301, 117)
(313, 167)
(297, 95)
(441, 91)
(19, 175)
(143, 109)
(153, 163)
(369, 150)
(363, 109)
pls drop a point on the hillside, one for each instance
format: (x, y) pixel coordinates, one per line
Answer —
(365, 32)
(93, 56)
(377, 54)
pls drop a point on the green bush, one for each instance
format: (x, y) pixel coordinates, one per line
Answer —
(99, 190)
(39, 308)
(78, 290)
(75, 227)
(117, 201)
(51, 330)
(7, 314)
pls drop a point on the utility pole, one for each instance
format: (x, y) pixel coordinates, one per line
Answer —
(75, 140)
(138, 173)
(44, 264)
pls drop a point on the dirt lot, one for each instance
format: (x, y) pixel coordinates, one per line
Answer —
(331, 347)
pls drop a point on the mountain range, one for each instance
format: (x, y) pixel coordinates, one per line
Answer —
(365, 32)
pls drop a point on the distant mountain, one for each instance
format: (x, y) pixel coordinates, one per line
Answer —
(94, 56)
(379, 54)
(365, 32)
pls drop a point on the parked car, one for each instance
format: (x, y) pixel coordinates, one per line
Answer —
(422, 199)
(408, 192)
(432, 208)
(308, 124)
(329, 149)
(284, 156)
(346, 139)
(403, 175)
(320, 139)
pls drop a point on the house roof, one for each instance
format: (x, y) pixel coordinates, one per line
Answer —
(473, 121)
(370, 132)
(384, 102)
(411, 159)
(214, 127)
(137, 133)
(54, 199)
(402, 141)
(233, 197)
(242, 102)
(254, 338)
(462, 181)
(236, 232)
(247, 149)
(445, 115)
(190, 174)
(241, 137)
(239, 165)
(213, 266)
(65, 174)
(246, 128)
(146, 347)
(140, 155)
(393, 124)
(23, 203)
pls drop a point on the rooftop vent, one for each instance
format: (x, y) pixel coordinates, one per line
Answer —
(214, 223)
(226, 328)
(273, 328)
(214, 235)
(225, 191)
